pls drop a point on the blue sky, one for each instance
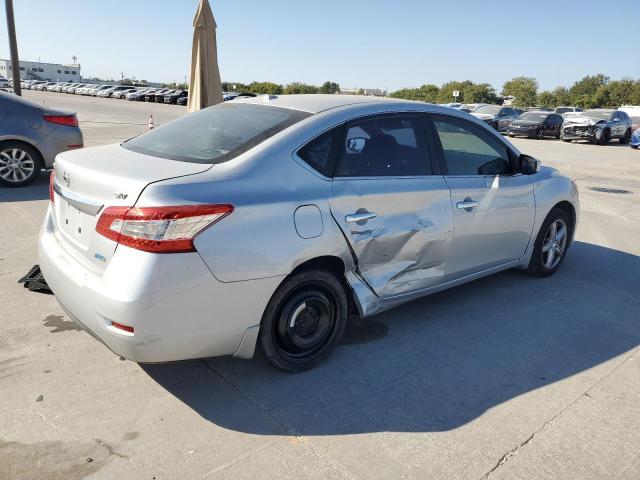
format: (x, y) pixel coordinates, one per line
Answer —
(358, 43)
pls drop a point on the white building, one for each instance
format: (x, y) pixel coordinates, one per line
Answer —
(53, 72)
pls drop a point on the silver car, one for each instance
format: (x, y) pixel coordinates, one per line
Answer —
(31, 135)
(270, 220)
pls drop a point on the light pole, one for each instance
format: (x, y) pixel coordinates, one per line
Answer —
(13, 47)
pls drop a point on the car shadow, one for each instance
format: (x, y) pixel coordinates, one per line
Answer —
(436, 363)
(38, 190)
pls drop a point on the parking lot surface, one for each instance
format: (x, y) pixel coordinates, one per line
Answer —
(506, 377)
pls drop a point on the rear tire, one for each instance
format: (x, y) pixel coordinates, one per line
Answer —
(20, 164)
(627, 137)
(551, 244)
(304, 320)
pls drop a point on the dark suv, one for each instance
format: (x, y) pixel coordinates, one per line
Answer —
(598, 126)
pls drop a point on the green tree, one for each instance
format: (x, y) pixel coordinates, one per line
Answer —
(479, 93)
(297, 88)
(266, 88)
(524, 89)
(425, 93)
(583, 91)
(562, 97)
(445, 94)
(547, 99)
(634, 97)
(330, 87)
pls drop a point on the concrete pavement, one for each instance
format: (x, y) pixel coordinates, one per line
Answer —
(507, 377)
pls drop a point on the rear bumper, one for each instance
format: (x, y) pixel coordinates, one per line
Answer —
(58, 141)
(177, 308)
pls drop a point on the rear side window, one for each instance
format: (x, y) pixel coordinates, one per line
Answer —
(320, 153)
(384, 146)
(467, 150)
(216, 134)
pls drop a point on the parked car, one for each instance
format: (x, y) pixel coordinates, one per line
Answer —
(44, 86)
(110, 92)
(562, 110)
(634, 114)
(159, 98)
(182, 100)
(94, 92)
(599, 126)
(173, 97)
(472, 107)
(537, 109)
(496, 116)
(4, 83)
(35, 85)
(81, 90)
(151, 96)
(635, 139)
(71, 88)
(31, 137)
(138, 96)
(536, 125)
(270, 199)
(122, 93)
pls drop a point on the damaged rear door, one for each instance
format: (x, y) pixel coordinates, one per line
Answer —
(394, 212)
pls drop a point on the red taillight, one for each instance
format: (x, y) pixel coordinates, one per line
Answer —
(69, 120)
(159, 229)
(51, 180)
(120, 326)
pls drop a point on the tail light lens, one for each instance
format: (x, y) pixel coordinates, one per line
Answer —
(68, 120)
(159, 229)
(51, 180)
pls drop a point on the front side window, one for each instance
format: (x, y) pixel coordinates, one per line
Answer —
(383, 146)
(467, 150)
(215, 134)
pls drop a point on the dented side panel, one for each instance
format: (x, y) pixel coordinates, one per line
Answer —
(404, 248)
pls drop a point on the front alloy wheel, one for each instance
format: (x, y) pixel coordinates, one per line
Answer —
(555, 242)
(552, 242)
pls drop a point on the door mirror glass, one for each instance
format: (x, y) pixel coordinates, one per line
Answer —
(529, 165)
(356, 145)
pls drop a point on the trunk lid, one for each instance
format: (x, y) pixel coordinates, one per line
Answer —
(89, 180)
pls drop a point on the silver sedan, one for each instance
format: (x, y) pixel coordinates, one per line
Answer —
(271, 220)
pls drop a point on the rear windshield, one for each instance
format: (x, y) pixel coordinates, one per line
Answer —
(215, 134)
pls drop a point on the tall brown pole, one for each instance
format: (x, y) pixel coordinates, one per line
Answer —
(13, 47)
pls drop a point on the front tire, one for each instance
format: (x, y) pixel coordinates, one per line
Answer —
(551, 244)
(20, 164)
(304, 321)
(604, 138)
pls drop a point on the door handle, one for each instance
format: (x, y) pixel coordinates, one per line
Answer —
(359, 217)
(467, 205)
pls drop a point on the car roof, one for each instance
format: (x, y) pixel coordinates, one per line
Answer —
(315, 103)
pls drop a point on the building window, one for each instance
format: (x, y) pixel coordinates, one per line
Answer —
(67, 72)
(73, 73)
(21, 68)
(40, 70)
(59, 71)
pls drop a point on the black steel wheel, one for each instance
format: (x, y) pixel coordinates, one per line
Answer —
(304, 321)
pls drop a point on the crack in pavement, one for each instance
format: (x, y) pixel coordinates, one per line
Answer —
(286, 429)
(586, 394)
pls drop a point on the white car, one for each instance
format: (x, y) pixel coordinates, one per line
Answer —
(109, 92)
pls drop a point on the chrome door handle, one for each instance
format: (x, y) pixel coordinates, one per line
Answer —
(467, 204)
(359, 217)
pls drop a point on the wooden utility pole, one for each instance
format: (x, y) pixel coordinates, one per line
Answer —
(13, 47)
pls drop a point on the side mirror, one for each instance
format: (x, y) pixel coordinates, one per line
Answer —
(356, 145)
(529, 165)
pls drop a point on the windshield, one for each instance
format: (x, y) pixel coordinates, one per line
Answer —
(489, 109)
(215, 134)
(563, 110)
(534, 116)
(599, 114)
